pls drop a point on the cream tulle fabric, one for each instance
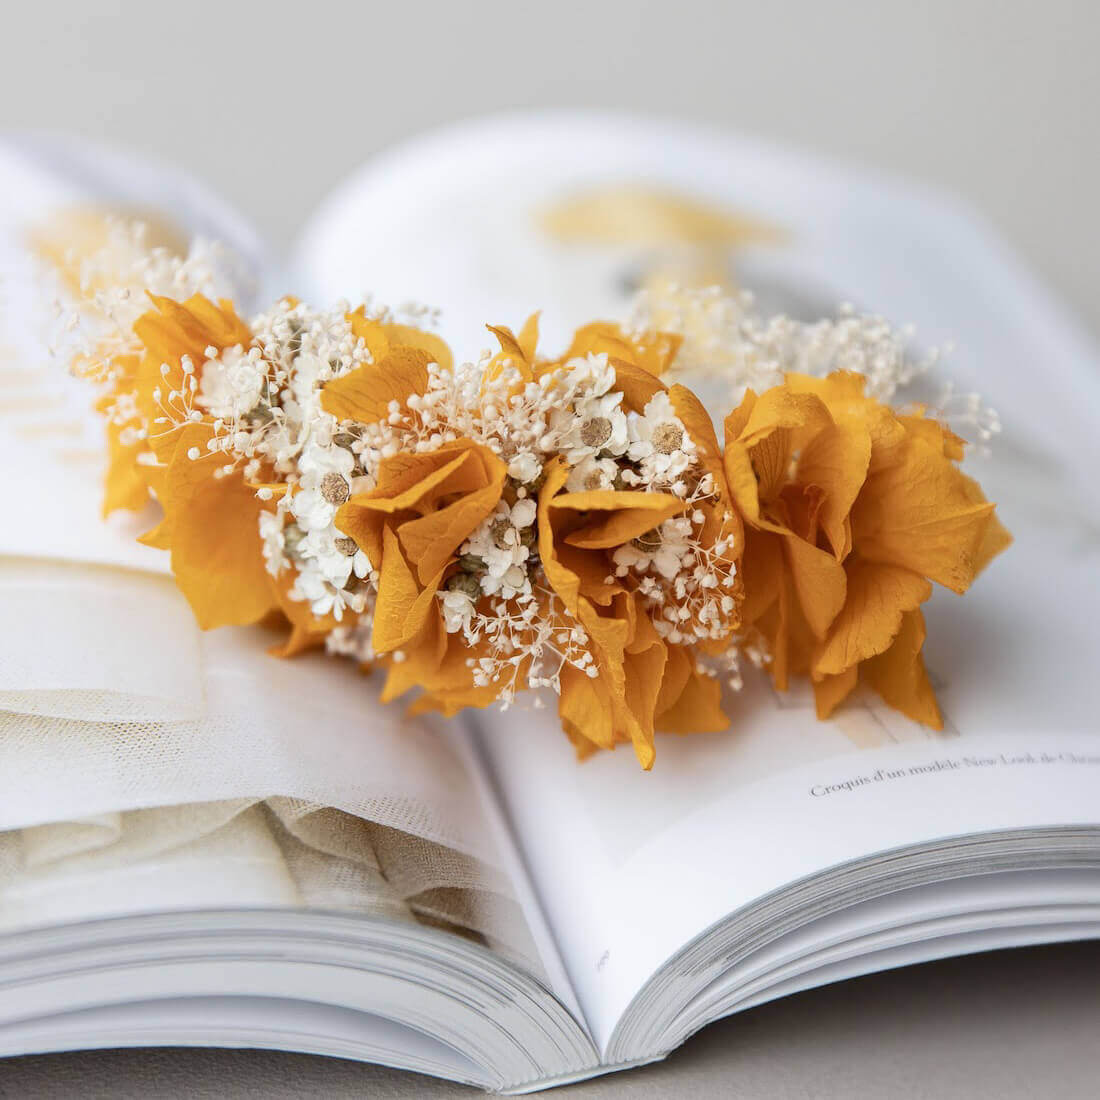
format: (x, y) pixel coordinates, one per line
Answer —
(146, 765)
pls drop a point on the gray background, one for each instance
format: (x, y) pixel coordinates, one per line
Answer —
(995, 101)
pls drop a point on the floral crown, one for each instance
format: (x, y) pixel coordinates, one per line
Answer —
(570, 523)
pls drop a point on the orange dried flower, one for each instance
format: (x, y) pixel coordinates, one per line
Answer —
(852, 511)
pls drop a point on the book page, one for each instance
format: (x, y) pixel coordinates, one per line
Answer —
(631, 866)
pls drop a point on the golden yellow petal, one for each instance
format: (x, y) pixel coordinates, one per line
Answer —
(836, 461)
(217, 556)
(638, 385)
(937, 435)
(585, 707)
(697, 709)
(365, 393)
(563, 581)
(371, 332)
(124, 486)
(818, 579)
(831, 691)
(996, 539)
(430, 541)
(624, 516)
(528, 338)
(741, 480)
(402, 607)
(920, 513)
(899, 676)
(878, 597)
(423, 655)
(842, 392)
(412, 481)
(644, 666)
(405, 336)
(700, 428)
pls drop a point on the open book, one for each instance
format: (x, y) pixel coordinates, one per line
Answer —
(188, 857)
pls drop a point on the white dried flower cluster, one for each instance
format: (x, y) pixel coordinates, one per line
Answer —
(114, 284)
(728, 343)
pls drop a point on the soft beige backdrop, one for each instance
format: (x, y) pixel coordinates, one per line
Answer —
(992, 99)
(273, 103)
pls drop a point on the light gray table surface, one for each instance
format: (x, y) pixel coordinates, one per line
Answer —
(1010, 1025)
(994, 100)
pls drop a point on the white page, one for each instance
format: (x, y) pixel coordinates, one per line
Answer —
(631, 866)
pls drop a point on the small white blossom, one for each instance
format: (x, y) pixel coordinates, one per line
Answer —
(499, 541)
(231, 383)
(324, 486)
(659, 442)
(592, 474)
(665, 549)
(524, 468)
(458, 609)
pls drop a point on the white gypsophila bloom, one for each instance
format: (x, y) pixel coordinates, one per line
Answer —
(659, 441)
(325, 484)
(116, 281)
(232, 382)
(352, 641)
(665, 550)
(592, 474)
(273, 541)
(513, 582)
(498, 540)
(458, 610)
(337, 557)
(726, 341)
(524, 468)
(323, 597)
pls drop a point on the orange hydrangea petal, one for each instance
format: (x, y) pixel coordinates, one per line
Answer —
(818, 579)
(365, 393)
(405, 336)
(402, 606)
(423, 656)
(637, 384)
(695, 418)
(842, 392)
(741, 479)
(563, 581)
(624, 516)
(511, 354)
(761, 435)
(431, 540)
(697, 708)
(836, 461)
(899, 675)
(878, 596)
(217, 557)
(920, 513)
(124, 487)
(935, 434)
(412, 481)
(996, 539)
(644, 665)
(584, 705)
(782, 408)
(831, 691)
